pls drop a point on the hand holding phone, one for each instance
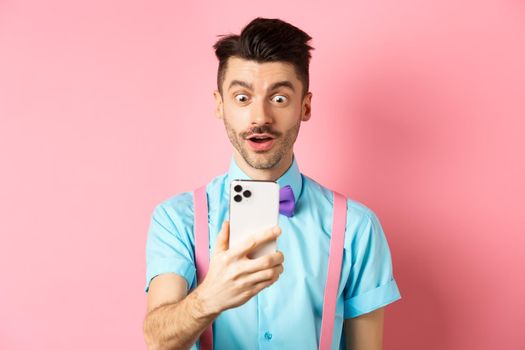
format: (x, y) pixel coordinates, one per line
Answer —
(233, 278)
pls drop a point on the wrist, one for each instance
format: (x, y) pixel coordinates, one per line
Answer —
(202, 307)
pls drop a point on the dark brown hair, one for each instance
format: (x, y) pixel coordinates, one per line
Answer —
(266, 40)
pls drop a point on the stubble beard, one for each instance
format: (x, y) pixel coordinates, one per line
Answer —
(263, 159)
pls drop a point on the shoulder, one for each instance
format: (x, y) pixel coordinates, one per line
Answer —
(178, 208)
(356, 210)
(314, 192)
(359, 217)
(359, 212)
(175, 210)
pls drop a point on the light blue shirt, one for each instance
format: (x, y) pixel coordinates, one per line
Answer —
(287, 314)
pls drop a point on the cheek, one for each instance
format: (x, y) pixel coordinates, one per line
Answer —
(288, 117)
(236, 116)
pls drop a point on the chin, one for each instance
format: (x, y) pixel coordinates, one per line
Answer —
(266, 160)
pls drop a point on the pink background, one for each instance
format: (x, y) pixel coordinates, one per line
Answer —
(106, 109)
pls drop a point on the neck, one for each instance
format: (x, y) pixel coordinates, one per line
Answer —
(264, 174)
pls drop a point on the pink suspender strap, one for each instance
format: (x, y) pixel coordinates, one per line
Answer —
(202, 255)
(334, 271)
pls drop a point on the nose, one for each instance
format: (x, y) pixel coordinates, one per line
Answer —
(261, 113)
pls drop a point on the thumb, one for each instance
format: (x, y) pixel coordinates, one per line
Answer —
(223, 238)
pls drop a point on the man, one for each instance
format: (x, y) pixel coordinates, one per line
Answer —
(262, 97)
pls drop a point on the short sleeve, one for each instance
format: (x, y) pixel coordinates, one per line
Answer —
(371, 283)
(169, 246)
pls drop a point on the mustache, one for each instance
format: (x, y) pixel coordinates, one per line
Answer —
(264, 129)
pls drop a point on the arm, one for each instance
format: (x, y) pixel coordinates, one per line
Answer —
(168, 305)
(365, 332)
(176, 320)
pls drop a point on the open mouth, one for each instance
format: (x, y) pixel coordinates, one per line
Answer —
(260, 139)
(261, 142)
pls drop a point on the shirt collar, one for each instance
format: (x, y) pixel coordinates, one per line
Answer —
(291, 177)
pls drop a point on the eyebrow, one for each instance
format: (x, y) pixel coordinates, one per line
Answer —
(284, 83)
(240, 83)
(274, 86)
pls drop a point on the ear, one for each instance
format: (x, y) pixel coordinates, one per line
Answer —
(219, 106)
(306, 110)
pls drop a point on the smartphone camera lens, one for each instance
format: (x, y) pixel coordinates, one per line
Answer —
(238, 188)
(247, 194)
(237, 198)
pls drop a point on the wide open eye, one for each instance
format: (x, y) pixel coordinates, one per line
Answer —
(241, 98)
(279, 99)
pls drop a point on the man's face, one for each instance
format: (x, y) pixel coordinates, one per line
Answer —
(263, 99)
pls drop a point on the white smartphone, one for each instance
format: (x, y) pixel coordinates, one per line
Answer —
(254, 207)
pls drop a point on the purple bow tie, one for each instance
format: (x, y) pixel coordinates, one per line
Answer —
(286, 201)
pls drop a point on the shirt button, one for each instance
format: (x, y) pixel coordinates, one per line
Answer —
(268, 335)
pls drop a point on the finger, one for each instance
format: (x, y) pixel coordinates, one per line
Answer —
(223, 238)
(263, 275)
(244, 246)
(261, 285)
(249, 244)
(264, 262)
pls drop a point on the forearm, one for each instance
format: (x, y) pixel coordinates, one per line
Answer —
(177, 326)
